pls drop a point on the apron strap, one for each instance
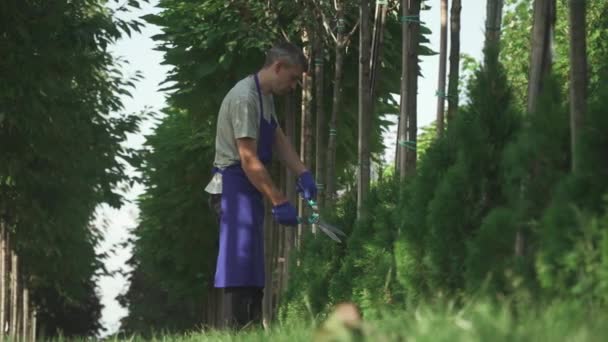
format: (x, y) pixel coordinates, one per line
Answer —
(257, 86)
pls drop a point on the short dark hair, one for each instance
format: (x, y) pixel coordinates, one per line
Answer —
(287, 52)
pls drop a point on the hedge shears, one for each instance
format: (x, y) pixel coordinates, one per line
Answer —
(315, 219)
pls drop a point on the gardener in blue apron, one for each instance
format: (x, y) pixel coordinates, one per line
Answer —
(247, 133)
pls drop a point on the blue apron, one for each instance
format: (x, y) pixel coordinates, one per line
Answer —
(240, 261)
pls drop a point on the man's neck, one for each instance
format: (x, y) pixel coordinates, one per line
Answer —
(264, 78)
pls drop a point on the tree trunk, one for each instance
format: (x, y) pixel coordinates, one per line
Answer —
(443, 47)
(540, 68)
(578, 74)
(540, 62)
(401, 125)
(409, 83)
(275, 278)
(412, 92)
(13, 291)
(268, 266)
(290, 191)
(3, 276)
(320, 127)
(34, 322)
(493, 26)
(330, 180)
(377, 44)
(25, 313)
(363, 176)
(280, 249)
(454, 59)
(376, 57)
(306, 125)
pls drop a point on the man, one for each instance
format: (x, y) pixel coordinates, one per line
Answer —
(247, 133)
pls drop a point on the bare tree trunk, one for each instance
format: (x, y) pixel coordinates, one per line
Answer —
(363, 176)
(280, 249)
(290, 131)
(320, 146)
(402, 143)
(3, 276)
(267, 300)
(377, 44)
(26, 312)
(443, 47)
(454, 59)
(493, 25)
(540, 68)
(276, 230)
(540, 63)
(306, 125)
(409, 126)
(13, 291)
(19, 316)
(330, 180)
(307, 134)
(332, 141)
(34, 322)
(578, 74)
(409, 82)
(320, 127)
(271, 255)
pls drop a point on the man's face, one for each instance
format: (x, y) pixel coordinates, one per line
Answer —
(287, 78)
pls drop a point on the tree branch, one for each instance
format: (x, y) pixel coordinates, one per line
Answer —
(350, 34)
(325, 21)
(285, 35)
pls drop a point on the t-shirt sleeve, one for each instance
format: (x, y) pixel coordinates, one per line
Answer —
(244, 118)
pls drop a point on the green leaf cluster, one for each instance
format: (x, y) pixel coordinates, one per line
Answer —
(61, 132)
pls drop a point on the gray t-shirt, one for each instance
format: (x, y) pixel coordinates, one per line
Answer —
(239, 117)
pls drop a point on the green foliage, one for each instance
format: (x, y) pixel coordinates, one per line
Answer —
(366, 274)
(314, 265)
(175, 241)
(580, 270)
(572, 256)
(456, 185)
(362, 269)
(531, 166)
(61, 135)
(516, 46)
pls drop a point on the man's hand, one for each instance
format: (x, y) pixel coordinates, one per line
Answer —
(307, 186)
(285, 214)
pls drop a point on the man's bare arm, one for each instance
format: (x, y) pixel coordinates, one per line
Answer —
(256, 171)
(287, 153)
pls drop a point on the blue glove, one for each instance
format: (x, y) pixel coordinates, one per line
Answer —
(306, 186)
(285, 214)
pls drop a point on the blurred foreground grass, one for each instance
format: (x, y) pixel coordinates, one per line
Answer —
(480, 321)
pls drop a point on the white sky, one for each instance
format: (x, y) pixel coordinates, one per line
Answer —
(138, 50)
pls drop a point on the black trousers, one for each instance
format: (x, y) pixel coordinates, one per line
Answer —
(242, 307)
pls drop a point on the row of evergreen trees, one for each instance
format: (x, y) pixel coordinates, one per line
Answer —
(497, 171)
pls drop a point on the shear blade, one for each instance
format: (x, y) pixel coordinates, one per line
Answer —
(333, 229)
(329, 233)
